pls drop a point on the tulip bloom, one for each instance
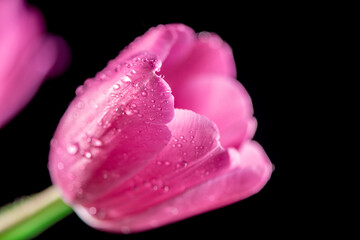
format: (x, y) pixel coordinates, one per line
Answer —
(161, 134)
(27, 56)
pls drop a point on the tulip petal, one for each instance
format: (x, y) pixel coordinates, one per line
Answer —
(183, 52)
(223, 100)
(170, 42)
(249, 171)
(209, 55)
(193, 155)
(113, 128)
(28, 55)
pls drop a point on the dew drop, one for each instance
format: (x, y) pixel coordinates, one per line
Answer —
(174, 210)
(125, 79)
(79, 90)
(179, 145)
(80, 104)
(116, 86)
(128, 111)
(92, 210)
(73, 148)
(144, 93)
(88, 154)
(60, 166)
(181, 164)
(96, 142)
(53, 142)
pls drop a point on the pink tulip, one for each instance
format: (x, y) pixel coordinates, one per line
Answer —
(27, 56)
(127, 160)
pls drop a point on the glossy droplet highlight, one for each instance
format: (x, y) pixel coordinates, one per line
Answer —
(181, 164)
(96, 142)
(125, 79)
(87, 154)
(73, 148)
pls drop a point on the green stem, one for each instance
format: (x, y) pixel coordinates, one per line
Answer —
(27, 218)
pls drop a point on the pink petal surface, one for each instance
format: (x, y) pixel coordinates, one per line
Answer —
(113, 128)
(194, 147)
(27, 56)
(168, 190)
(171, 43)
(195, 66)
(209, 55)
(183, 52)
(223, 100)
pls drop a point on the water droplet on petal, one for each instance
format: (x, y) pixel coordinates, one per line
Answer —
(92, 210)
(174, 210)
(116, 86)
(73, 148)
(80, 104)
(79, 90)
(96, 142)
(166, 188)
(125, 79)
(181, 164)
(60, 166)
(144, 93)
(88, 154)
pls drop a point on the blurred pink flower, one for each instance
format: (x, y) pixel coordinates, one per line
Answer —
(27, 55)
(161, 134)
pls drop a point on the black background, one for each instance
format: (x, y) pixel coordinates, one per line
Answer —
(270, 45)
